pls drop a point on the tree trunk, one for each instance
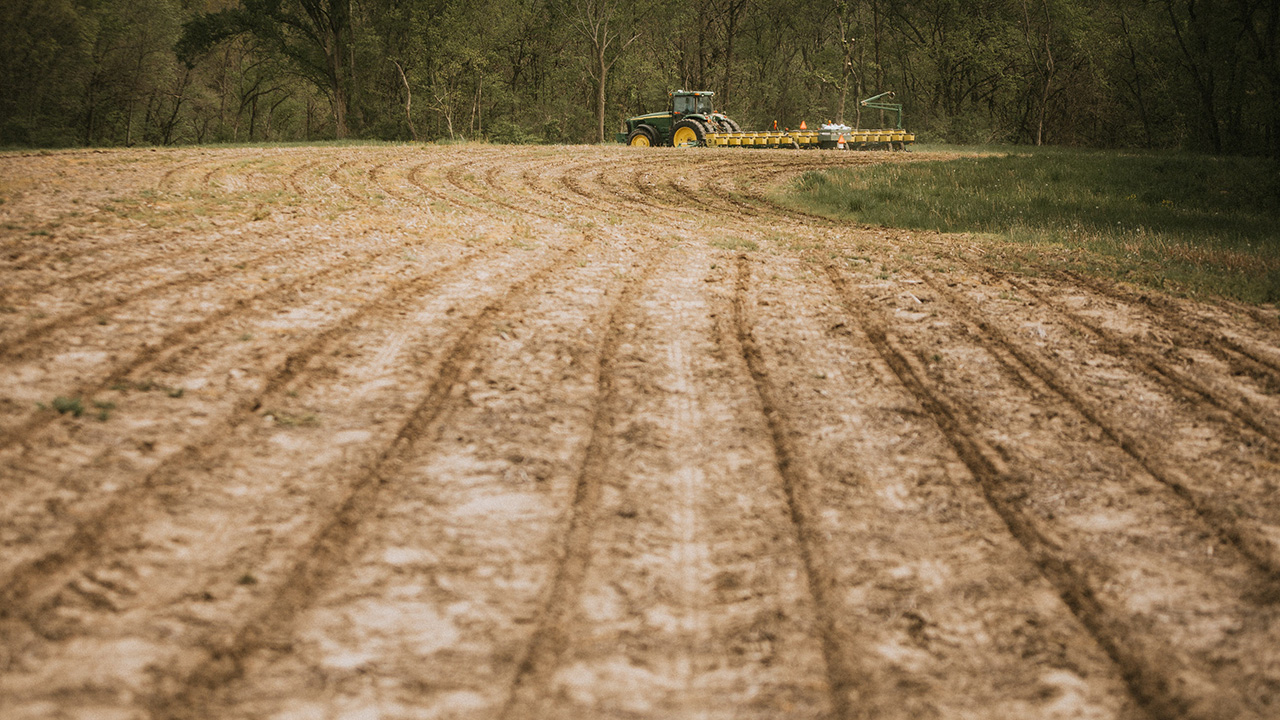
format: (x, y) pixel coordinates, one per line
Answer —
(1204, 82)
(1137, 80)
(408, 101)
(339, 96)
(603, 68)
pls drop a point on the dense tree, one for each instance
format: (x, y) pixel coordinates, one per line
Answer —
(1150, 73)
(314, 35)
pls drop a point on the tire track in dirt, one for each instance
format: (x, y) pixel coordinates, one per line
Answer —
(459, 175)
(25, 585)
(621, 184)
(169, 180)
(666, 602)
(39, 255)
(473, 509)
(471, 202)
(538, 184)
(1065, 576)
(334, 177)
(87, 277)
(328, 549)
(341, 267)
(485, 187)
(294, 178)
(715, 184)
(776, 466)
(1199, 330)
(547, 641)
(843, 673)
(192, 508)
(16, 347)
(227, 273)
(1255, 544)
(579, 204)
(378, 175)
(581, 179)
(550, 179)
(191, 246)
(1169, 683)
(1211, 391)
(940, 605)
(497, 190)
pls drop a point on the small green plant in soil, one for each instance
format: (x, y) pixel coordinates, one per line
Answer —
(736, 244)
(104, 409)
(65, 405)
(1186, 223)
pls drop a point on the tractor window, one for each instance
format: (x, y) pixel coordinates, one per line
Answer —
(685, 104)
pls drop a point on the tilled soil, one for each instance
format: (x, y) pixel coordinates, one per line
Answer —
(487, 432)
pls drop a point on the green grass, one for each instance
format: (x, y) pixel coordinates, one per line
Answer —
(736, 244)
(1198, 225)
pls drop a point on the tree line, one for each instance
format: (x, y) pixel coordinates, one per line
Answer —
(1105, 73)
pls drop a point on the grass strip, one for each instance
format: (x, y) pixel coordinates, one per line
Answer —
(1189, 224)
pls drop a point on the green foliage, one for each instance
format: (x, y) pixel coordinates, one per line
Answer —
(736, 244)
(1203, 223)
(65, 405)
(1114, 73)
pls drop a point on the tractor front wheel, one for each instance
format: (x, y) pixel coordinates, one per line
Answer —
(640, 137)
(688, 132)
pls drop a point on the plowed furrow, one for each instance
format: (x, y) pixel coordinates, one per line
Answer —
(488, 187)
(237, 528)
(605, 432)
(548, 640)
(477, 511)
(909, 537)
(133, 267)
(844, 675)
(1185, 680)
(1210, 390)
(618, 183)
(324, 553)
(171, 180)
(671, 600)
(381, 177)
(1208, 328)
(620, 206)
(173, 342)
(568, 202)
(342, 178)
(294, 179)
(470, 202)
(462, 178)
(1252, 534)
(528, 207)
(27, 584)
(20, 346)
(44, 255)
(1071, 582)
(570, 178)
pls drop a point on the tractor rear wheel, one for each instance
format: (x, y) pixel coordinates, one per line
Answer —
(731, 126)
(641, 137)
(688, 132)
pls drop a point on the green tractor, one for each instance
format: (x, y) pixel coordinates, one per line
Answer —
(687, 120)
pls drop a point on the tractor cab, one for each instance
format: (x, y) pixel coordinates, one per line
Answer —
(684, 103)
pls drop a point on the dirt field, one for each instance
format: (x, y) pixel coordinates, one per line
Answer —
(487, 432)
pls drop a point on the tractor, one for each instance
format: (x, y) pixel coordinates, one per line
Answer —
(689, 118)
